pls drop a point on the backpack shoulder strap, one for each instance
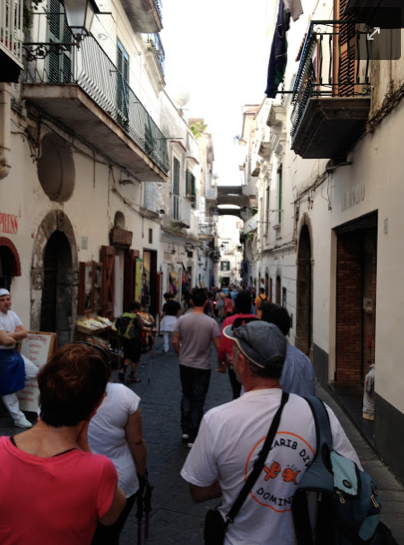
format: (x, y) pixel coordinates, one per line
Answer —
(322, 422)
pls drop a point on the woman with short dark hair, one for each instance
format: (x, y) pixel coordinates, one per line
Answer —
(53, 489)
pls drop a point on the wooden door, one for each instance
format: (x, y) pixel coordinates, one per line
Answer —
(129, 279)
(107, 258)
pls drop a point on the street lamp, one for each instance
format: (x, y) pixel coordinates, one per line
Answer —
(214, 212)
(79, 16)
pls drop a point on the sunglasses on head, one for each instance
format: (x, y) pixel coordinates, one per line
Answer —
(100, 349)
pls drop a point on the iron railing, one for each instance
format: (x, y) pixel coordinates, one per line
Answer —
(334, 62)
(159, 5)
(91, 69)
(11, 27)
(153, 41)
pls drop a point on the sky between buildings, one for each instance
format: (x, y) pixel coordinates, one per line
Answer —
(218, 50)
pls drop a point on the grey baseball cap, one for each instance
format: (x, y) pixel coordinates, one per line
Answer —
(262, 343)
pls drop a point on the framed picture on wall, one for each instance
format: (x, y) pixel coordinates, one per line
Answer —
(90, 287)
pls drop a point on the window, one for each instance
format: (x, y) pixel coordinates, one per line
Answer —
(59, 66)
(122, 86)
(280, 194)
(191, 188)
(176, 189)
(267, 208)
(150, 236)
(225, 265)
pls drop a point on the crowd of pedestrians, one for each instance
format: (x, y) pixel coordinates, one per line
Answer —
(87, 451)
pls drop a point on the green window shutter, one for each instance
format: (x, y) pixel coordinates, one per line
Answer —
(122, 87)
(193, 190)
(280, 195)
(176, 180)
(60, 66)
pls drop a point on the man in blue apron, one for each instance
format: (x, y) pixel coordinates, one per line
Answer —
(14, 369)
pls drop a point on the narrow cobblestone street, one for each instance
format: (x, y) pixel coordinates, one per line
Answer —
(174, 518)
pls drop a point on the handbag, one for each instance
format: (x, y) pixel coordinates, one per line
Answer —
(216, 526)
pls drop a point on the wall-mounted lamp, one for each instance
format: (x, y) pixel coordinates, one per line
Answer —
(79, 17)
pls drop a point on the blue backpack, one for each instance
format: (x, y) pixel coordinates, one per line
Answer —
(348, 507)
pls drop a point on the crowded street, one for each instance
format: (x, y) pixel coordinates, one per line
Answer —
(174, 519)
(200, 272)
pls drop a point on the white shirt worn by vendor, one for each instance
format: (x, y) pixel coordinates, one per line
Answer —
(9, 323)
(106, 433)
(229, 441)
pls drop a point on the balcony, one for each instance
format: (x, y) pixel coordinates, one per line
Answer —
(211, 193)
(155, 57)
(181, 212)
(85, 91)
(11, 38)
(144, 15)
(331, 92)
(206, 230)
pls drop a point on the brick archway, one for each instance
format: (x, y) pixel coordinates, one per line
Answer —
(304, 289)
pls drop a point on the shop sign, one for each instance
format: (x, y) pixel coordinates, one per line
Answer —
(8, 224)
(352, 197)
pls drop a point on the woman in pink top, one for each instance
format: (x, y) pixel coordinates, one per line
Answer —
(53, 490)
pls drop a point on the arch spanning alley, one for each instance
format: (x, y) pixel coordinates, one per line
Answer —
(231, 195)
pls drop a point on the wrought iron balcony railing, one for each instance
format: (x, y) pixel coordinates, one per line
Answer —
(90, 68)
(153, 41)
(334, 62)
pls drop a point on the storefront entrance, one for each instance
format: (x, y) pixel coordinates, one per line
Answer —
(356, 299)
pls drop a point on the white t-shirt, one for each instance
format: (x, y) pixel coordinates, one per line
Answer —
(106, 433)
(9, 322)
(229, 441)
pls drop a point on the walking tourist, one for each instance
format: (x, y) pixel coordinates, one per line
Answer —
(14, 368)
(262, 298)
(193, 335)
(298, 374)
(53, 489)
(130, 327)
(171, 313)
(225, 352)
(231, 437)
(116, 431)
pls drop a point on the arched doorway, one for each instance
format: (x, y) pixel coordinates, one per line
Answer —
(10, 265)
(55, 230)
(278, 290)
(57, 288)
(304, 308)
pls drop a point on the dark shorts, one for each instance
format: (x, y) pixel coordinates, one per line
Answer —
(131, 349)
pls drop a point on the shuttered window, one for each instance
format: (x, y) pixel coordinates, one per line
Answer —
(60, 65)
(345, 53)
(191, 188)
(176, 189)
(122, 87)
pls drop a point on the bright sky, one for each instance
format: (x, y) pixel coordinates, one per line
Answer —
(217, 50)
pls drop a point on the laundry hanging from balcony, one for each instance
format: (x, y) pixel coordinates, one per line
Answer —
(278, 56)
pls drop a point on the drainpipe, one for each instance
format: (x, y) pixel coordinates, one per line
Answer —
(5, 129)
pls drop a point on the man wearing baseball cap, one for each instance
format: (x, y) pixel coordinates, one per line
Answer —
(14, 368)
(231, 437)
